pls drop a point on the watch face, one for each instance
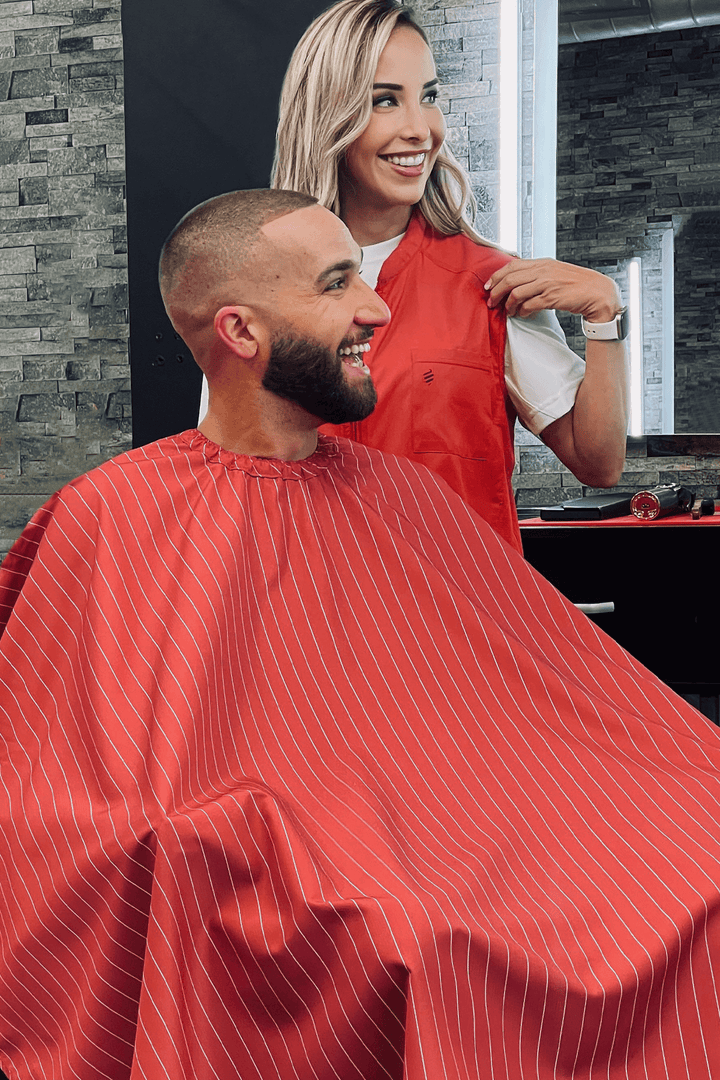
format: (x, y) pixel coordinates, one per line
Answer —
(623, 324)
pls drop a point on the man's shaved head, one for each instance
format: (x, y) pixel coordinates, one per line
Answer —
(213, 245)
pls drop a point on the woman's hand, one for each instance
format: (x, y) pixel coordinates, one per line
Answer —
(530, 285)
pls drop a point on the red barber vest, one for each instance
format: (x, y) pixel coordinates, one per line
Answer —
(439, 369)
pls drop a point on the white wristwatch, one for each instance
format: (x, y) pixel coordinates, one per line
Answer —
(615, 330)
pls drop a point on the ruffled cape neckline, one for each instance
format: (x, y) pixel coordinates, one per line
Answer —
(273, 468)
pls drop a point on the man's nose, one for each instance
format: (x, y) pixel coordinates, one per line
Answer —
(372, 311)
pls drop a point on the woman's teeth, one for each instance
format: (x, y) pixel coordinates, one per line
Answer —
(395, 159)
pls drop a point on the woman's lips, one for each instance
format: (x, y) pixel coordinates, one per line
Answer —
(406, 164)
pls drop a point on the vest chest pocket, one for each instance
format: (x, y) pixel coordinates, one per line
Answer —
(457, 404)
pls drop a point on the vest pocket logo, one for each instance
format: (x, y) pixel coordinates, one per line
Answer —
(428, 375)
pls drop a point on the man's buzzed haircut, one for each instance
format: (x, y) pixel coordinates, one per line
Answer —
(224, 230)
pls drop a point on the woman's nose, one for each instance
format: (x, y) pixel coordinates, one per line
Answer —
(414, 125)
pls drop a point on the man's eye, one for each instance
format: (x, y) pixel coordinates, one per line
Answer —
(335, 285)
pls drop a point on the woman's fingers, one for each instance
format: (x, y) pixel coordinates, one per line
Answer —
(529, 285)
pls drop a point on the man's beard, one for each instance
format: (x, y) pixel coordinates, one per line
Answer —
(311, 375)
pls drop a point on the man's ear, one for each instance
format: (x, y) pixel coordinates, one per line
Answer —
(239, 330)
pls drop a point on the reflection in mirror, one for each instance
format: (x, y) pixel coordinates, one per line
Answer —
(638, 194)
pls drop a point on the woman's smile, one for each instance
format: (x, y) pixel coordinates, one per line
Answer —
(407, 164)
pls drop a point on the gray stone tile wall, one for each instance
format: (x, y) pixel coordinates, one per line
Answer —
(64, 372)
(464, 38)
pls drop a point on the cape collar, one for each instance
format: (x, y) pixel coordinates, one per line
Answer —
(323, 457)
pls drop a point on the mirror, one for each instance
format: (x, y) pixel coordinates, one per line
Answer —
(637, 175)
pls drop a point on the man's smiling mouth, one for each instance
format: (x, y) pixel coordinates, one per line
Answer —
(352, 355)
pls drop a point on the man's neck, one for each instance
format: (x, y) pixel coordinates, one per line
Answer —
(285, 433)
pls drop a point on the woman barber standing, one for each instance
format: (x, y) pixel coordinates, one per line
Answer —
(470, 345)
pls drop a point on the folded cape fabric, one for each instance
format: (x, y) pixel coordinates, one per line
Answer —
(305, 775)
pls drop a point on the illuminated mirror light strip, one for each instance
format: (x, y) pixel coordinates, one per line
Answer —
(635, 344)
(544, 138)
(668, 332)
(509, 70)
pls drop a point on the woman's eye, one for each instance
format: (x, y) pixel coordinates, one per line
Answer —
(431, 96)
(388, 99)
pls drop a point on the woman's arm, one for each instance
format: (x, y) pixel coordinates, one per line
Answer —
(590, 438)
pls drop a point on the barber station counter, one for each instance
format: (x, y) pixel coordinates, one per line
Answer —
(662, 576)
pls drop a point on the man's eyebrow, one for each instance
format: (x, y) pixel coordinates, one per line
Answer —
(337, 268)
(397, 86)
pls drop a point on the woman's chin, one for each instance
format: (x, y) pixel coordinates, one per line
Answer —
(405, 194)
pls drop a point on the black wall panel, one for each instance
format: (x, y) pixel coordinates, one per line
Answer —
(202, 83)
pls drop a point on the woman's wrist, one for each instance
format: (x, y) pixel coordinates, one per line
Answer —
(604, 306)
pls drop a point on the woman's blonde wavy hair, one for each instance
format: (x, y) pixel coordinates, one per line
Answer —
(326, 102)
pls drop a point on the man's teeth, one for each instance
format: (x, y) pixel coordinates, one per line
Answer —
(355, 350)
(395, 159)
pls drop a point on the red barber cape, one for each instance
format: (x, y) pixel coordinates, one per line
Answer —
(305, 775)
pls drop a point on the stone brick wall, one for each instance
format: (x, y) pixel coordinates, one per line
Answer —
(464, 38)
(64, 372)
(638, 127)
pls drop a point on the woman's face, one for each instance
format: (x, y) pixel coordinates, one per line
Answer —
(390, 162)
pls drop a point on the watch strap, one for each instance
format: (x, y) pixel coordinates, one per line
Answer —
(615, 330)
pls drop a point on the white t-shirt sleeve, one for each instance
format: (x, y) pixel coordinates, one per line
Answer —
(542, 373)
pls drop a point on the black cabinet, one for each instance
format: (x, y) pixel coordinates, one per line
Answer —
(662, 580)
